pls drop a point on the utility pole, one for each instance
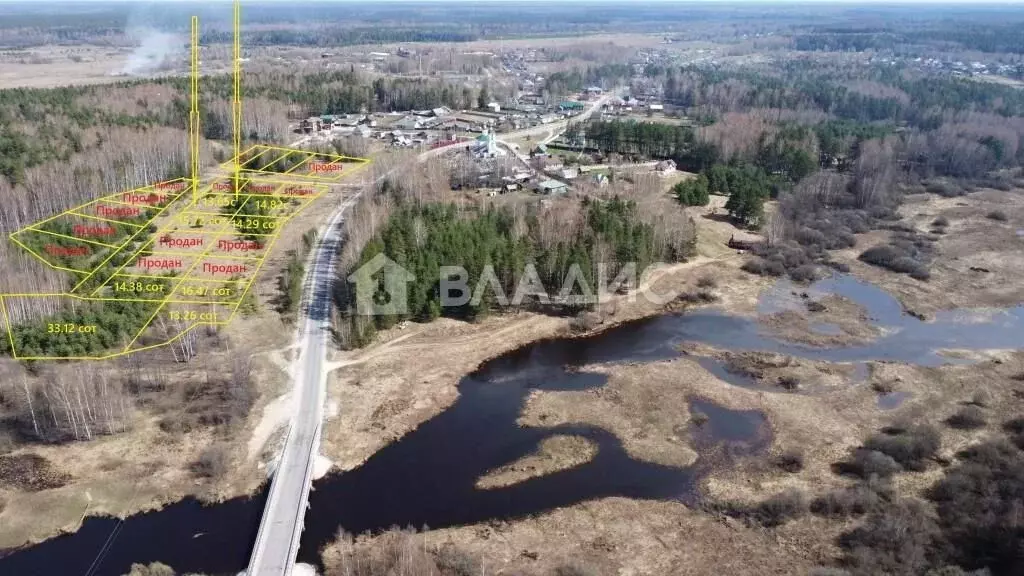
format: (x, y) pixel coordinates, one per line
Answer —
(236, 104)
(193, 116)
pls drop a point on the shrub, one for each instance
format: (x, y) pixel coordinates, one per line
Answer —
(854, 501)
(789, 383)
(31, 473)
(997, 215)
(967, 418)
(212, 463)
(893, 540)
(780, 508)
(810, 236)
(897, 258)
(815, 306)
(981, 398)
(909, 447)
(866, 463)
(698, 418)
(879, 256)
(584, 322)
(1014, 426)
(978, 506)
(921, 274)
(154, 569)
(940, 222)
(805, 273)
(707, 281)
(945, 189)
(838, 266)
(455, 562)
(699, 297)
(764, 267)
(791, 461)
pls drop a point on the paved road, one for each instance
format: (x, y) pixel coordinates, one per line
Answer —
(277, 543)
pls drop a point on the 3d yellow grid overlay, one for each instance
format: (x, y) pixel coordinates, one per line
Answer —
(190, 248)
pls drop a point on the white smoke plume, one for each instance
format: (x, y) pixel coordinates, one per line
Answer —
(157, 50)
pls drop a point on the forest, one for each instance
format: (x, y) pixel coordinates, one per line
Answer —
(422, 238)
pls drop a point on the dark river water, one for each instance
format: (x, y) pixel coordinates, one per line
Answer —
(428, 477)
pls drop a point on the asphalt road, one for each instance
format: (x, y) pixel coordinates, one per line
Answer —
(277, 543)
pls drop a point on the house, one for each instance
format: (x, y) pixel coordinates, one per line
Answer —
(656, 107)
(600, 179)
(551, 187)
(494, 107)
(665, 167)
(326, 122)
(540, 150)
(430, 122)
(570, 173)
(509, 184)
(441, 111)
(571, 105)
(485, 146)
(348, 121)
(407, 123)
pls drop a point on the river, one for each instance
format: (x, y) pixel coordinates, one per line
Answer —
(427, 478)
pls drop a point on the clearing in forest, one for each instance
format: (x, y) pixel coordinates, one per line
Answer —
(149, 265)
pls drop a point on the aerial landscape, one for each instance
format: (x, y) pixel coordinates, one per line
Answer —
(468, 288)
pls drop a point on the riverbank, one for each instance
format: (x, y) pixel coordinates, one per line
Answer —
(537, 451)
(821, 410)
(192, 432)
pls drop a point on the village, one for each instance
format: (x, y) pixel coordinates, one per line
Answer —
(508, 143)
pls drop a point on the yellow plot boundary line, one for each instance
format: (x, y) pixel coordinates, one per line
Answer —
(208, 232)
(164, 303)
(271, 163)
(177, 279)
(203, 255)
(272, 195)
(10, 329)
(249, 284)
(101, 219)
(41, 258)
(123, 246)
(59, 235)
(128, 260)
(176, 282)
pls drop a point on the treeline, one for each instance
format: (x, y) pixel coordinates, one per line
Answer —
(291, 278)
(53, 124)
(340, 91)
(948, 126)
(116, 322)
(575, 80)
(497, 249)
(805, 87)
(336, 36)
(651, 140)
(990, 37)
(746, 186)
